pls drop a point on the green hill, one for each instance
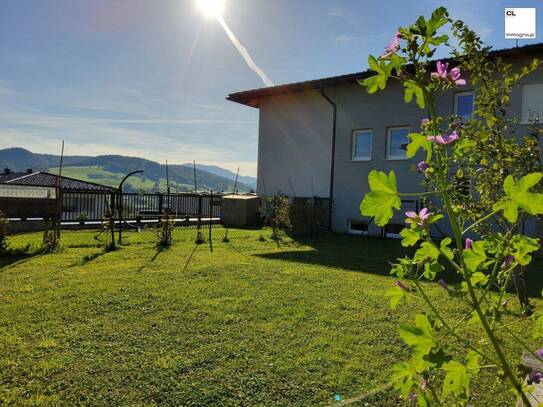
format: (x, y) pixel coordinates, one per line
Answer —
(110, 170)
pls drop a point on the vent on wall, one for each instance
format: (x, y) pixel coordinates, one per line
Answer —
(358, 227)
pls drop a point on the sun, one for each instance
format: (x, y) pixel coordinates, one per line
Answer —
(211, 8)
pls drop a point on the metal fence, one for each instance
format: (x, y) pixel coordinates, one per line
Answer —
(78, 206)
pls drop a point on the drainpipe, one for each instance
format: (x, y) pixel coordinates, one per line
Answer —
(333, 156)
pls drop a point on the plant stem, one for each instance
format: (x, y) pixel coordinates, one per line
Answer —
(458, 237)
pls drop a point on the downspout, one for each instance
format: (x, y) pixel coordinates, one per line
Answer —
(333, 156)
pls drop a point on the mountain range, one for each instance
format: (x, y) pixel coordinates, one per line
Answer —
(110, 169)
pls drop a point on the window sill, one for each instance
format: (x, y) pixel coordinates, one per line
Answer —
(355, 160)
(397, 159)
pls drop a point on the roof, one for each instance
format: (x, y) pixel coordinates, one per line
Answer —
(252, 97)
(44, 179)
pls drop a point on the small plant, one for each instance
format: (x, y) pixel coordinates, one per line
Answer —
(82, 218)
(50, 243)
(165, 229)
(200, 239)
(4, 232)
(108, 227)
(276, 214)
(262, 238)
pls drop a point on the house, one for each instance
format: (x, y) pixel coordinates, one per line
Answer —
(322, 137)
(80, 199)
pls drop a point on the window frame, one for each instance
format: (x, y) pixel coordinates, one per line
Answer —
(388, 143)
(463, 93)
(353, 144)
(523, 104)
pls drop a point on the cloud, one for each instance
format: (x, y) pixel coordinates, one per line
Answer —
(474, 14)
(127, 121)
(346, 38)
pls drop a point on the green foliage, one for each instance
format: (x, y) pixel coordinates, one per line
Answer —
(518, 196)
(417, 142)
(396, 295)
(420, 338)
(480, 177)
(383, 197)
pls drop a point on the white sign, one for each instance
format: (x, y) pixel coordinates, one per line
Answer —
(25, 191)
(520, 23)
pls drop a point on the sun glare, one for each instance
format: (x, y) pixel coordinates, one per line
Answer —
(211, 8)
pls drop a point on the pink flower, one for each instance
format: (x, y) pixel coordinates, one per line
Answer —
(539, 353)
(424, 384)
(443, 284)
(393, 45)
(445, 138)
(469, 244)
(507, 261)
(424, 122)
(401, 285)
(419, 218)
(422, 167)
(441, 70)
(455, 76)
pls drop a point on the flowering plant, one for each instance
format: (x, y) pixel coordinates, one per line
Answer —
(486, 247)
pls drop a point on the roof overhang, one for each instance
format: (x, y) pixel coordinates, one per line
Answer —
(252, 97)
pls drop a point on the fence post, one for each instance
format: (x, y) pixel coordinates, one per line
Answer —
(199, 223)
(210, 217)
(120, 210)
(160, 204)
(112, 220)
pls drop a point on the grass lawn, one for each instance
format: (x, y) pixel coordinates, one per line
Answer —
(249, 324)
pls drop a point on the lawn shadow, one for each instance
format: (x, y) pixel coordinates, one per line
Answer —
(158, 251)
(354, 253)
(11, 261)
(371, 255)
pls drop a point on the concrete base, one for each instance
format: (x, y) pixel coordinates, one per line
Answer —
(240, 210)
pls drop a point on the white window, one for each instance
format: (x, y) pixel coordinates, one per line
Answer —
(362, 145)
(464, 104)
(532, 102)
(397, 142)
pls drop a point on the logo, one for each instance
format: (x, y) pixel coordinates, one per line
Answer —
(520, 23)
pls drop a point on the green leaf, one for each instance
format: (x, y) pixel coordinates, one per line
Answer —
(419, 337)
(438, 19)
(410, 237)
(475, 256)
(379, 80)
(431, 269)
(396, 295)
(456, 379)
(444, 246)
(522, 247)
(417, 142)
(538, 325)
(413, 89)
(383, 197)
(478, 278)
(518, 196)
(427, 251)
(473, 362)
(403, 375)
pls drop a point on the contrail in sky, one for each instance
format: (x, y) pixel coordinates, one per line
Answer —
(244, 53)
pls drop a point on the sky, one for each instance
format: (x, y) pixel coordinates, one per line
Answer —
(149, 78)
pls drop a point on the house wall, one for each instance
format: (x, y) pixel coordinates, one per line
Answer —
(295, 143)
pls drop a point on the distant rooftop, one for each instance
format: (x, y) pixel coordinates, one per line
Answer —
(252, 97)
(45, 179)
